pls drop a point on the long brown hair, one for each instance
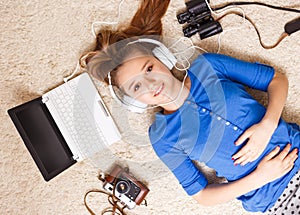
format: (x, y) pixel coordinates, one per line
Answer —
(146, 21)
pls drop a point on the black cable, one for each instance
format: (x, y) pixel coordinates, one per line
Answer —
(282, 36)
(256, 3)
(290, 27)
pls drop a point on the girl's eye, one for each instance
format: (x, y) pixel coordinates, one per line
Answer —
(149, 69)
(137, 87)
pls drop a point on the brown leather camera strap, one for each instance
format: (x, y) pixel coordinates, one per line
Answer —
(116, 209)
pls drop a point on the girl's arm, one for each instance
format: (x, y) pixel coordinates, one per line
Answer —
(277, 92)
(260, 134)
(220, 193)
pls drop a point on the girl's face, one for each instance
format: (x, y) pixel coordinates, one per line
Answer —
(148, 80)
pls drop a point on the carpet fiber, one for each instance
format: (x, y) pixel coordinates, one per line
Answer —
(40, 44)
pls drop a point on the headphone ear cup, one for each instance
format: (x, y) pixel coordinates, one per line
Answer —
(165, 56)
(134, 105)
(128, 102)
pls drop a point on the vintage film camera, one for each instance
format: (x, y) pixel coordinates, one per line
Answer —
(199, 20)
(125, 187)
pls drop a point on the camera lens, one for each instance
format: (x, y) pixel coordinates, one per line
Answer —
(122, 187)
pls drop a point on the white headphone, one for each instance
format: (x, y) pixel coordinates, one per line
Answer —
(162, 53)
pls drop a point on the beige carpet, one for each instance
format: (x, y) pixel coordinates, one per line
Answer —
(40, 43)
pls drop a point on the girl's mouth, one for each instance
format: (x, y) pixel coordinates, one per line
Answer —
(159, 90)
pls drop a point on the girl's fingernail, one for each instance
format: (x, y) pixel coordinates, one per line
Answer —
(232, 159)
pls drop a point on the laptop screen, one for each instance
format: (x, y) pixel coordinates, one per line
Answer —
(42, 138)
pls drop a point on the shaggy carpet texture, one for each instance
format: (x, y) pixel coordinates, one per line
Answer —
(41, 42)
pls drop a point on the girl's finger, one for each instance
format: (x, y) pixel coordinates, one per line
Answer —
(242, 152)
(242, 160)
(282, 155)
(272, 154)
(250, 157)
(291, 157)
(238, 155)
(245, 162)
(242, 138)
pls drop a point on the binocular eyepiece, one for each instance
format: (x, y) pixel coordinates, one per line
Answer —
(194, 9)
(205, 28)
(199, 20)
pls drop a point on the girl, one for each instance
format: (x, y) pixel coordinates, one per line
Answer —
(208, 116)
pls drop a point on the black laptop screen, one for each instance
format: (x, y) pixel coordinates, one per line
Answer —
(42, 138)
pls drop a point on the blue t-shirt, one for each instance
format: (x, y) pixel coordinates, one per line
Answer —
(217, 111)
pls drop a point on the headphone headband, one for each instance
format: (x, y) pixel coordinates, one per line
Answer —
(161, 52)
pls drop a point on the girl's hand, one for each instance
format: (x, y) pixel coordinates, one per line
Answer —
(257, 137)
(275, 164)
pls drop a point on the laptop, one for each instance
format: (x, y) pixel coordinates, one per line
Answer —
(65, 125)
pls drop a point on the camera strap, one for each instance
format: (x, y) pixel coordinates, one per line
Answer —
(116, 209)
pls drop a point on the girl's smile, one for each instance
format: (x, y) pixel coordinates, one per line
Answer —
(160, 89)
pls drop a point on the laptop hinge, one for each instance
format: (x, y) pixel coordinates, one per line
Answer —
(45, 99)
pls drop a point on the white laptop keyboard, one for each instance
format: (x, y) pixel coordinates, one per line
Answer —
(82, 117)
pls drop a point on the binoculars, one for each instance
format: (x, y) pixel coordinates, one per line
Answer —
(199, 20)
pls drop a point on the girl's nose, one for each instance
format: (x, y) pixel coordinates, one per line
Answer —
(149, 82)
